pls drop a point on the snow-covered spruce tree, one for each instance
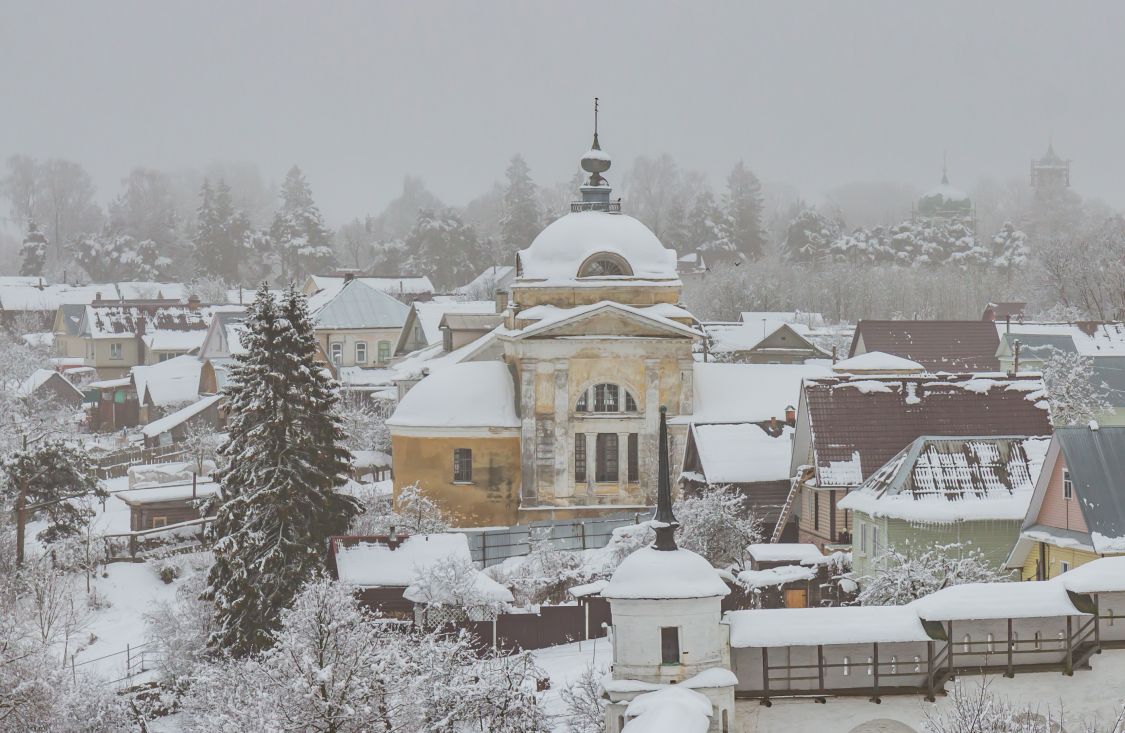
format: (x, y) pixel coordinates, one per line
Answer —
(300, 237)
(33, 251)
(744, 213)
(1010, 248)
(705, 231)
(60, 478)
(519, 217)
(901, 577)
(278, 502)
(1075, 391)
(717, 524)
(444, 247)
(220, 233)
(809, 237)
(111, 255)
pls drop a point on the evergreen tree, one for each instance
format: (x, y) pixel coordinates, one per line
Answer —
(705, 231)
(220, 233)
(112, 255)
(744, 213)
(207, 239)
(1009, 247)
(519, 219)
(278, 504)
(443, 247)
(34, 250)
(302, 241)
(809, 237)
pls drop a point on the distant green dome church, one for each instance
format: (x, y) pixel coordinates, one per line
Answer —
(944, 201)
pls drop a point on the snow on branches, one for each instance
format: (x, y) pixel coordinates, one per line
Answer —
(901, 577)
(1075, 392)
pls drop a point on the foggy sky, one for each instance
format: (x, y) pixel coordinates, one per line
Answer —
(359, 94)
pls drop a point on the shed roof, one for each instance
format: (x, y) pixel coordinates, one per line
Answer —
(777, 627)
(371, 562)
(737, 393)
(945, 346)
(742, 453)
(982, 601)
(1104, 575)
(858, 424)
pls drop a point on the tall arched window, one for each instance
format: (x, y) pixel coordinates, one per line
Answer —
(604, 264)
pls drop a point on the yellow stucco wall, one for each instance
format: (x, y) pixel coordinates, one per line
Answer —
(565, 297)
(370, 336)
(1055, 557)
(492, 498)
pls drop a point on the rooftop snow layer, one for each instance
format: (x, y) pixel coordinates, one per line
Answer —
(1104, 575)
(472, 394)
(179, 417)
(376, 564)
(877, 361)
(780, 575)
(742, 453)
(431, 312)
(982, 601)
(674, 709)
(800, 553)
(564, 245)
(170, 382)
(737, 393)
(651, 573)
(777, 627)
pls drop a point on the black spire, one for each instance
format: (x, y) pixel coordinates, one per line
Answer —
(666, 533)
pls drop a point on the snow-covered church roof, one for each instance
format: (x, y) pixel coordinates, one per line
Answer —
(467, 395)
(561, 250)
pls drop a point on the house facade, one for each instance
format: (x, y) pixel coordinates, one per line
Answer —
(1077, 513)
(355, 324)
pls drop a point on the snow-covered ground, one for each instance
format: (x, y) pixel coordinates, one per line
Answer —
(565, 663)
(1090, 692)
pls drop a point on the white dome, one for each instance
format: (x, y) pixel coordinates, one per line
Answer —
(561, 249)
(665, 574)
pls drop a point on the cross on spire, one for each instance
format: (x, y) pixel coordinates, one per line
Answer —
(595, 145)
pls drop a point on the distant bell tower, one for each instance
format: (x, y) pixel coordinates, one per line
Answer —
(1050, 173)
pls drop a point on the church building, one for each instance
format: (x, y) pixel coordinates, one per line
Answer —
(593, 340)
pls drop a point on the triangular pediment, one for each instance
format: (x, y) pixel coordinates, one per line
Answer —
(609, 320)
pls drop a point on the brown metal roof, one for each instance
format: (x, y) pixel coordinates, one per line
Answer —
(940, 346)
(1013, 309)
(876, 417)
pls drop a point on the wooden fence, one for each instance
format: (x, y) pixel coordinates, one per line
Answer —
(117, 463)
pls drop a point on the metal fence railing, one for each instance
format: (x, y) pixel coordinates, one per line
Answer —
(134, 660)
(494, 545)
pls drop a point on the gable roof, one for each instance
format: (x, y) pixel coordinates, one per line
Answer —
(442, 400)
(748, 336)
(737, 393)
(430, 313)
(940, 346)
(937, 479)
(170, 382)
(859, 423)
(549, 318)
(1003, 310)
(356, 305)
(742, 453)
(1096, 462)
(1090, 338)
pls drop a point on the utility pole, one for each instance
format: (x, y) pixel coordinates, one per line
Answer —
(21, 501)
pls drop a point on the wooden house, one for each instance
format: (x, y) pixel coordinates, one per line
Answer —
(1077, 512)
(162, 505)
(945, 491)
(850, 426)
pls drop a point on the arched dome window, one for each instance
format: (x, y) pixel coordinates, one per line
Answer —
(604, 264)
(606, 398)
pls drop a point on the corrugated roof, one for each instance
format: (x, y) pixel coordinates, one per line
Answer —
(1096, 462)
(940, 346)
(357, 305)
(859, 423)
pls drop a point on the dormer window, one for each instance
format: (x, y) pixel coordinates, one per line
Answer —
(604, 264)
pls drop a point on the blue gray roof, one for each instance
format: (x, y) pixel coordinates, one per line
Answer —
(360, 306)
(1096, 462)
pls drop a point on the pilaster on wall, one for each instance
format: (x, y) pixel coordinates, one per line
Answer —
(529, 493)
(648, 446)
(564, 487)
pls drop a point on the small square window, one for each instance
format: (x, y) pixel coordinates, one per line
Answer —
(337, 354)
(361, 352)
(1068, 486)
(384, 351)
(116, 351)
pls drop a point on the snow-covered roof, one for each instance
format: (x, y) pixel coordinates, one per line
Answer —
(1090, 338)
(178, 491)
(587, 589)
(981, 601)
(179, 417)
(169, 382)
(777, 627)
(799, 552)
(742, 453)
(665, 574)
(878, 361)
(801, 321)
(19, 297)
(472, 394)
(563, 246)
(355, 304)
(493, 278)
(392, 285)
(938, 479)
(34, 381)
(430, 313)
(736, 393)
(166, 340)
(484, 588)
(673, 709)
(1104, 575)
(947, 193)
(775, 576)
(139, 290)
(548, 316)
(372, 563)
(732, 337)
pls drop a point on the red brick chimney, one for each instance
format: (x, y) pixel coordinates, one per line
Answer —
(791, 415)
(193, 302)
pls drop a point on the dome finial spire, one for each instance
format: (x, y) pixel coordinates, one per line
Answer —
(595, 192)
(595, 146)
(665, 519)
(945, 167)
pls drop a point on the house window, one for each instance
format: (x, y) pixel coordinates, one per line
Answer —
(669, 645)
(159, 522)
(606, 398)
(163, 356)
(1063, 566)
(1062, 640)
(337, 354)
(604, 264)
(815, 510)
(581, 405)
(1068, 487)
(360, 352)
(116, 351)
(462, 465)
(634, 468)
(606, 468)
(384, 351)
(874, 541)
(419, 334)
(630, 403)
(1038, 640)
(580, 457)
